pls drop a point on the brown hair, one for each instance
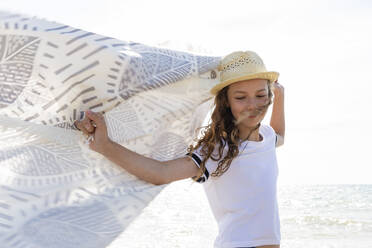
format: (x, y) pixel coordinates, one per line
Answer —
(220, 132)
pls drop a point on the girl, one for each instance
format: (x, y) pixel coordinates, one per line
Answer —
(235, 157)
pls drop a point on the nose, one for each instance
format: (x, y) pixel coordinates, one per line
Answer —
(251, 104)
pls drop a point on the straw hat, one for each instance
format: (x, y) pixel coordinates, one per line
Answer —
(239, 66)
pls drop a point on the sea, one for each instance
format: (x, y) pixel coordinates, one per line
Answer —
(316, 216)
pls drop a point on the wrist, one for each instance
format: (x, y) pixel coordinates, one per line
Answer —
(278, 97)
(108, 147)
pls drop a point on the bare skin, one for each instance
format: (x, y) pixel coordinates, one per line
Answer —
(243, 98)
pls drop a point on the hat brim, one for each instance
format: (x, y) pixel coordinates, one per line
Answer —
(269, 75)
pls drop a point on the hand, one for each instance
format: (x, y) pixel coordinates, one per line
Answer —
(278, 90)
(85, 125)
(100, 140)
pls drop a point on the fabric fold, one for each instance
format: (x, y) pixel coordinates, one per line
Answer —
(55, 191)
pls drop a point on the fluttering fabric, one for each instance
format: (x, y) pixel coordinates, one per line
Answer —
(54, 191)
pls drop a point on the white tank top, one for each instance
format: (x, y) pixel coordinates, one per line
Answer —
(244, 199)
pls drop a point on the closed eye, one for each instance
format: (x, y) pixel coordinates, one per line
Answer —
(242, 97)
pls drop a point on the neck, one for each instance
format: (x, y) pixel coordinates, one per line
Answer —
(244, 132)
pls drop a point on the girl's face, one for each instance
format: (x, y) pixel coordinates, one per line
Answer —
(247, 100)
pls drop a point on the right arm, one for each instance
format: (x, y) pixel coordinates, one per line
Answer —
(147, 169)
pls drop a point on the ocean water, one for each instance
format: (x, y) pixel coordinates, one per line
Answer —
(326, 216)
(321, 216)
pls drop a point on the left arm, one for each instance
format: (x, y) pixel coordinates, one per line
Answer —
(277, 121)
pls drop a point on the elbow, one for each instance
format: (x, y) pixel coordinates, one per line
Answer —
(156, 182)
(159, 183)
(161, 178)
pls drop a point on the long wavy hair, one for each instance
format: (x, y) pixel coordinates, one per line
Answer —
(222, 131)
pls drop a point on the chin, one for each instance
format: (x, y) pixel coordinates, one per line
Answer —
(250, 124)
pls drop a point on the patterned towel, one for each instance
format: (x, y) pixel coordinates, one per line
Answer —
(55, 191)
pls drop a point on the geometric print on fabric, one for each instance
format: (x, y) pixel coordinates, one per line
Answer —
(54, 191)
(17, 54)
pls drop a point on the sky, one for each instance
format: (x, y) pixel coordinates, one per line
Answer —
(322, 50)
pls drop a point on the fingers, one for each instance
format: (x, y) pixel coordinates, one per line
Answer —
(85, 125)
(75, 125)
(82, 127)
(278, 84)
(88, 125)
(97, 119)
(90, 122)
